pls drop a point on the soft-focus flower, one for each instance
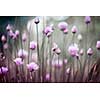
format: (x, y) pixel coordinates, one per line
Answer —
(79, 37)
(32, 66)
(65, 31)
(74, 29)
(62, 26)
(22, 53)
(3, 70)
(17, 33)
(68, 70)
(73, 49)
(55, 46)
(11, 34)
(65, 61)
(36, 20)
(8, 28)
(81, 52)
(90, 51)
(58, 63)
(5, 46)
(87, 19)
(47, 77)
(57, 51)
(33, 45)
(3, 38)
(98, 45)
(48, 31)
(18, 61)
(24, 37)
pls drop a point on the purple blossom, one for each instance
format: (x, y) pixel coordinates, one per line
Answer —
(36, 20)
(98, 45)
(58, 63)
(33, 45)
(3, 70)
(18, 61)
(48, 31)
(32, 66)
(90, 51)
(74, 29)
(22, 53)
(73, 50)
(62, 26)
(47, 77)
(87, 19)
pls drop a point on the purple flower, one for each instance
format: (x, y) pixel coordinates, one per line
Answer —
(73, 50)
(68, 70)
(55, 46)
(22, 53)
(32, 66)
(47, 77)
(87, 19)
(74, 29)
(24, 37)
(62, 26)
(17, 33)
(48, 30)
(18, 61)
(3, 38)
(33, 45)
(8, 28)
(36, 20)
(98, 45)
(3, 70)
(90, 51)
(81, 52)
(58, 63)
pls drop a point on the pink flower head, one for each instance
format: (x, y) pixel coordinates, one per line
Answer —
(33, 45)
(81, 52)
(55, 46)
(3, 70)
(74, 29)
(65, 31)
(57, 51)
(58, 63)
(8, 28)
(11, 34)
(22, 53)
(87, 19)
(98, 45)
(73, 50)
(62, 26)
(68, 70)
(17, 33)
(3, 38)
(18, 61)
(36, 20)
(48, 31)
(65, 61)
(24, 37)
(32, 66)
(47, 77)
(90, 51)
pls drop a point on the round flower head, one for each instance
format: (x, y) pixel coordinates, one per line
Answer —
(22, 53)
(81, 52)
(62, 26)
(90, 51)
(47, 77)
(33, 45)
(48, 31)
(57, 51)
(11, 34)
(87, 19)
(98, 45)
(79, 37)
(8, 28)
(18, 61)
(32, 66)
(17, 33)
(36, 20)
(55, 46)
(68, 70)
(65, 31)
(24, 37)
(74, 29)
(58, 65)
(3, 38)
(73, 50)
(4, 70)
